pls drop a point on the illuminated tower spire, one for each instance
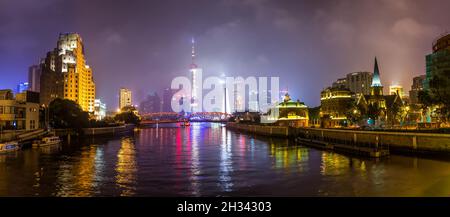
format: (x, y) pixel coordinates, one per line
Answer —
(376, 75)
(376, 89)
(193, 65)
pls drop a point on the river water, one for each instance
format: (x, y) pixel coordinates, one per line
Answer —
(206, 159)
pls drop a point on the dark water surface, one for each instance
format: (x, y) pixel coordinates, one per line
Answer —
(209, 160)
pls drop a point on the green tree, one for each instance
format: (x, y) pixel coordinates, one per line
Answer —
(353, 113)
(64, 113)
(127, 117)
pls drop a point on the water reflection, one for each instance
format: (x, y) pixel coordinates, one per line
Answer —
(192, 145)
(126, 167)
(76, 179)
(288, 155)
(226, 163)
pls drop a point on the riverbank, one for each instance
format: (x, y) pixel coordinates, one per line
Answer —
(424, 143)
(104, 131)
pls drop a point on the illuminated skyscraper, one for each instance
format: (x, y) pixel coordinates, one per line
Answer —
(125, 98)
(197, 80)
(66, 75)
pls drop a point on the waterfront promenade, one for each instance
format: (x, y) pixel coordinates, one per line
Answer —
(427, 143)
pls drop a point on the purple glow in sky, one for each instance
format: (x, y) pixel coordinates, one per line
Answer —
(144, 44)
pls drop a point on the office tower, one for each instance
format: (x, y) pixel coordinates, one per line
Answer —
(125, 98)
(359, 82)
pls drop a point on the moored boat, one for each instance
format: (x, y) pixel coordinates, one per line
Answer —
(46, 141)
(9, 147)
(184, 124)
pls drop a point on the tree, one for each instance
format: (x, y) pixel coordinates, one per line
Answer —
(64, 113)
(353, 112)
(314, 113)
(127, 117)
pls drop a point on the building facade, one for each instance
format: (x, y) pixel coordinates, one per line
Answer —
(34, 78)
(20, 112)
(288, 113)
(334, 104)
(359, 82)
(99, 109)
(125, 98)
(396, 89)
(340, 83)
(65, 74)
(416, 87)
(439, 60)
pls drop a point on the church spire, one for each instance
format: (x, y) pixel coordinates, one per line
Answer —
(376, 82)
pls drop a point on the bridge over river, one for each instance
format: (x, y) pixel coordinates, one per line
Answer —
(173, 117)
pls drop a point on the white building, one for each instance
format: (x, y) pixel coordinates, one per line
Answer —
(125, 98)
(99, 109)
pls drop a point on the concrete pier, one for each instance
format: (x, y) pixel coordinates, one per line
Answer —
(357, 141)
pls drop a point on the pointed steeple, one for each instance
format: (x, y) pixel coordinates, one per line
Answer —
(376, 82)
(193, 65)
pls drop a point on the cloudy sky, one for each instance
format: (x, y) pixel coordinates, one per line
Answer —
(143, 45)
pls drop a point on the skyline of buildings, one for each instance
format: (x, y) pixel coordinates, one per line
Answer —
(68, 58)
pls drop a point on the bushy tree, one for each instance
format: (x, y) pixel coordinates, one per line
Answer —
(127, 117)
(64, 113)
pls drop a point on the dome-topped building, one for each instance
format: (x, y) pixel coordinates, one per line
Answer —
(290, 113)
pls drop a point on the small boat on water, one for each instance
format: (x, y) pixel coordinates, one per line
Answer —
(46, 141)
(185, 124)
(9, 147)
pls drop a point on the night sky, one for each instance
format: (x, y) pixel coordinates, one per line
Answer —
(143, 45)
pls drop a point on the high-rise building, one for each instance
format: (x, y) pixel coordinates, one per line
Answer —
(34, 78)
(66, 75)
(168, 96)
(151, 104)
(416, 87)
(439, 60)
(99, 109)
(359, 82)
(125, 98)
(21, 87)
